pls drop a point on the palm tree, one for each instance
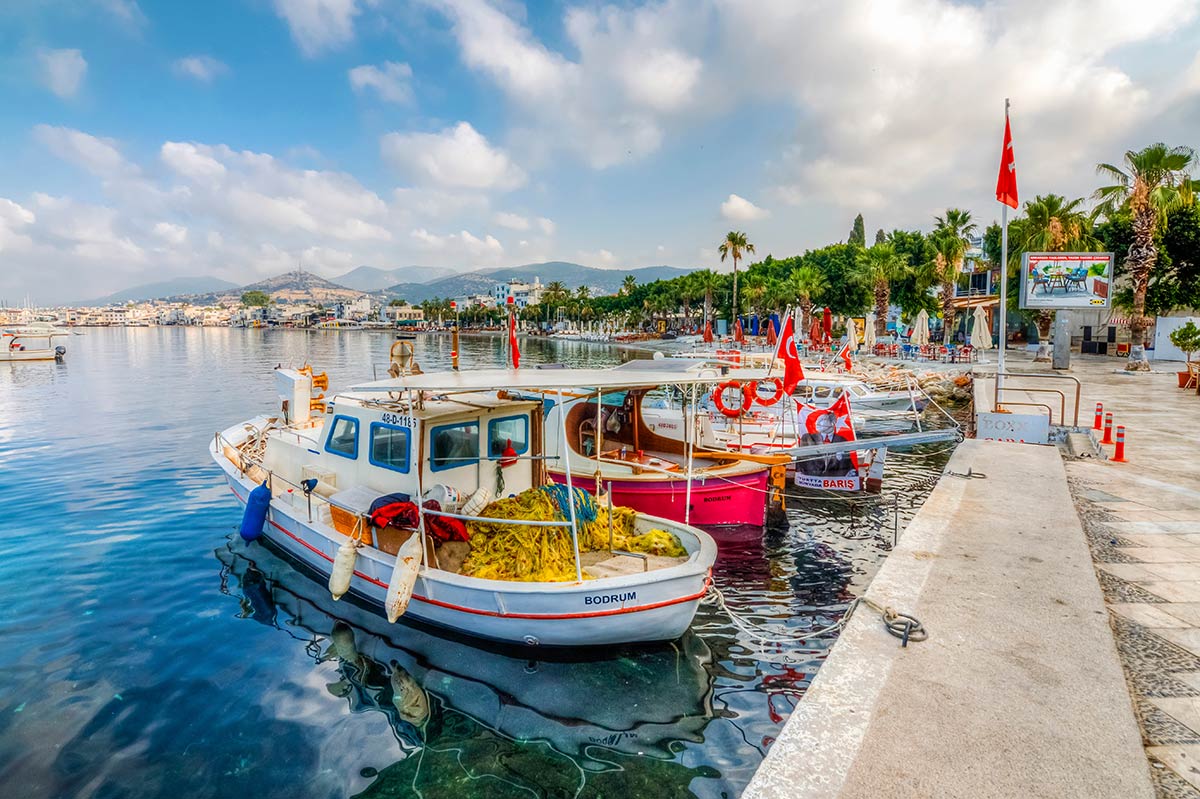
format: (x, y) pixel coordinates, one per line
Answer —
(628, 285)
(755, 290)
(735, 246)
(806, 284)
(877, 267)
(708, 283)
(1052, 223)
(1154, 182)
(951, 237)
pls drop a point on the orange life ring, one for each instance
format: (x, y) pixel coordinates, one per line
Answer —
(778, 395)
(747, 390)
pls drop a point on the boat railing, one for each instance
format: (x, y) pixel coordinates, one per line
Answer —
(489, 520)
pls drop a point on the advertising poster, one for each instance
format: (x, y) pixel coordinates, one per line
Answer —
(1066, 280)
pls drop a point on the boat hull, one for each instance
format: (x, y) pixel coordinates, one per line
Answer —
(736, 500)
(654, 606)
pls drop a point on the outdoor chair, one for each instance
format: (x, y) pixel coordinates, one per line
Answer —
(1077, 278)
(1040, 280)
(1193, 380)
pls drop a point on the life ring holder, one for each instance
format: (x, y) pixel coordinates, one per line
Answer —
(747, 390)
(778, 395)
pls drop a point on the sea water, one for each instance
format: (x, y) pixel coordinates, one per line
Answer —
(147, 652)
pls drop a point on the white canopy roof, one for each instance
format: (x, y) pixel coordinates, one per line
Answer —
(553, 379)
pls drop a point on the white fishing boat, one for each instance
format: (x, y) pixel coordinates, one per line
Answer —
(340, 324)
(32, 343)
(318, 466)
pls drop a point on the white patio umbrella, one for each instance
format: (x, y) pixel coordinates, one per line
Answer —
(920, 334)
(981, 336)
(851, 335)
(869, 333)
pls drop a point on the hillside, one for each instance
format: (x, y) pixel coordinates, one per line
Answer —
(300, 286)
(371, 278)
(601, 281)
(177, 287)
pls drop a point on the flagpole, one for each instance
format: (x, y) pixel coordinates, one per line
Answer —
(1003, 323)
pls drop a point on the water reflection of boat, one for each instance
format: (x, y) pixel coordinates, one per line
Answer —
(635, 701)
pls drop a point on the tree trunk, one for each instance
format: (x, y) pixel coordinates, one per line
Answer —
(805, 317)
(735, 307)
(1143, 254)
(883, 293)
(947, 311)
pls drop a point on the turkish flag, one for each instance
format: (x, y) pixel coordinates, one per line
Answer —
(844, 354)
(1006, 183)
(793, 370)
(512, 341)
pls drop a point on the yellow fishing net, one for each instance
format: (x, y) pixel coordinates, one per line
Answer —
(544, 554)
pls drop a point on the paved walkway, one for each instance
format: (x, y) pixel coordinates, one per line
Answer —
(1143, 524)
(1017, 692)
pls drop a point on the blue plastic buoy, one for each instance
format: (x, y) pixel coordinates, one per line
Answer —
(256, 513)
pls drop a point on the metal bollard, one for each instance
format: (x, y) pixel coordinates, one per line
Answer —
(1099, 415)
(1107, 429)
(1119, 454)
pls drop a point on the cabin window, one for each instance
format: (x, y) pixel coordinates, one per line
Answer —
(821, 392)
(859, 391)
(343, 437)
(510, 428)
(389, 446)
(454, 445)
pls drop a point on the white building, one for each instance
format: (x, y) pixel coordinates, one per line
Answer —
(523, 294)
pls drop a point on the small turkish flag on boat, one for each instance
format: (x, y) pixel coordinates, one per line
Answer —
(793, 370)
(844, 354)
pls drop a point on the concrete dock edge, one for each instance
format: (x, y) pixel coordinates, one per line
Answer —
(1017, 692)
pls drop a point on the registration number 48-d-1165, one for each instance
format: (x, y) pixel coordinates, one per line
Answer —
(399, 419)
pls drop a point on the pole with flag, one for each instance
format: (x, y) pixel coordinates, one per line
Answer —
(514, 351)
(1006, 195)
(786, 351)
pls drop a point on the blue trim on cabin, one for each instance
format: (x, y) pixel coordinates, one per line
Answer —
(407, 447)
(458, 462)
(519, 417)
(329, 437)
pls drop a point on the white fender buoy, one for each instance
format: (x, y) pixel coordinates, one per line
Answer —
(404, 577)
(410, 699)
(477, 502)
(343, 569)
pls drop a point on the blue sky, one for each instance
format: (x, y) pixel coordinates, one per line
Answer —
(147, 140)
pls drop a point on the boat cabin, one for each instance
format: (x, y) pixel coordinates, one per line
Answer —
(376, 445)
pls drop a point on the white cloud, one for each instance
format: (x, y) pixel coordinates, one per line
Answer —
(203, 68)
(171, 234)
(739, 209)
(547, 226)
(62, 71)
(601, 258)
(463, 243)
(13, 216)
(318, 25)
(512, 221)
(610, 105)
(98, 156)
(192, 161)
(391, 81)
(458, 157)
(88, 231)
(126, 11)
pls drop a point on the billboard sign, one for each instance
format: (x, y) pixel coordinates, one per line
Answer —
(1066, 280)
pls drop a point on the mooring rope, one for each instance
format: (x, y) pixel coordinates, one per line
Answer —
(901, 625)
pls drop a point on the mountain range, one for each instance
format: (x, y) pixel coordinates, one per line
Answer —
(177, 287)
(301, 286)
(571, 275)
(371, 278)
